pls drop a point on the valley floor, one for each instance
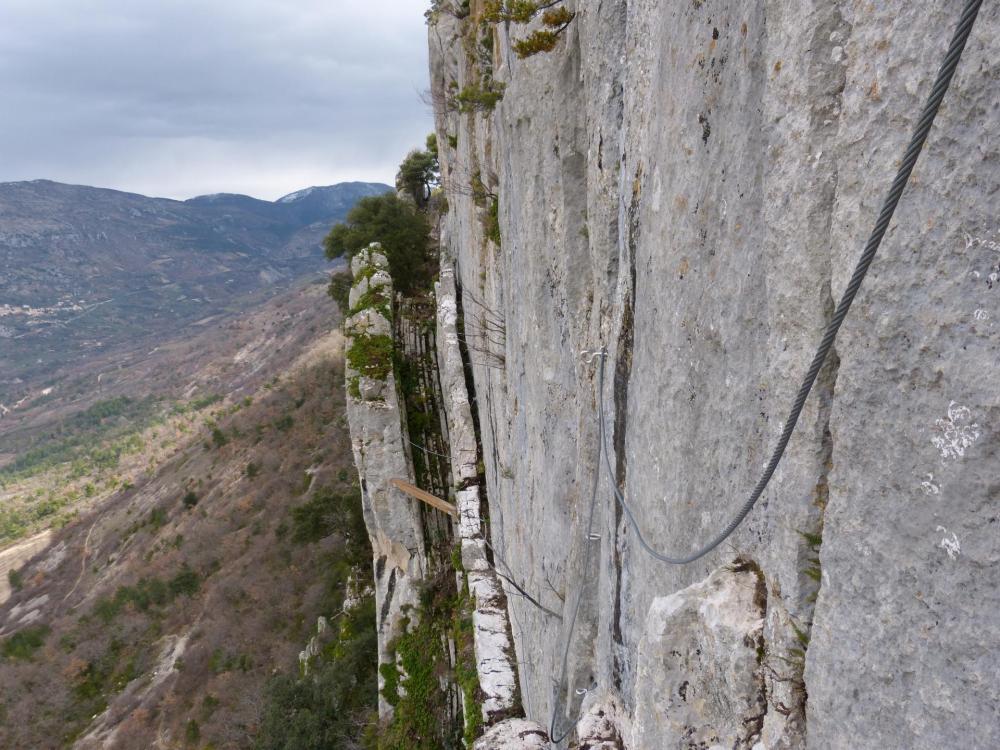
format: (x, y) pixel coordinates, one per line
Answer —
(163, 612)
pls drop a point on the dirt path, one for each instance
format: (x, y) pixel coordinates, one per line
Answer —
(14, 557)
(83, 561)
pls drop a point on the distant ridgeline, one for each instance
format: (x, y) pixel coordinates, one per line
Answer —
(86, 270)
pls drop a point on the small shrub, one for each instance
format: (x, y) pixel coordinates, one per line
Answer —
(480, 97)
(454, 8)
(375, 299)
(219, 437)
(208, 705)
(252, 470)
(157, 519)
(190, 499)
(340, 290)
(192, 732)
(24, 643)
(555, 20)
(203, 402)
(148, 593)
(420, 720)
(491, 223)
(221, 662)
(16, 579)
(334, 707)
(354, 388)
(329, 513)
(185, 583)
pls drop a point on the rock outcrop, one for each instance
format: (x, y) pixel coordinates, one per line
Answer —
(700, 662)
(380, 450)
(688, 185)
(514, 734)
(396, 525)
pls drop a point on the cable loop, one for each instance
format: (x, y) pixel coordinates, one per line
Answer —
(588, 356)
(917, 141)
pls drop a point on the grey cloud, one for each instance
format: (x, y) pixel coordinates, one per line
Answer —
(174, 97)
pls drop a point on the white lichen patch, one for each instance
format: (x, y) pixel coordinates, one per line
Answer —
(954, 435)
(929, 487)
(985, 242)
(950, 545)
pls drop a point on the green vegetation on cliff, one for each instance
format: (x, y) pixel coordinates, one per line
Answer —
(422, 709)
(418, 174)
(332, 704)
(555, 17)
(399, 226)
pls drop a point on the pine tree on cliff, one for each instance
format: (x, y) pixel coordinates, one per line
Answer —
(555, 19)
(398, 225)
(418, 174)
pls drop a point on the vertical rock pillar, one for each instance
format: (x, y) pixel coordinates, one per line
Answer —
(495, 660)
(393, 519)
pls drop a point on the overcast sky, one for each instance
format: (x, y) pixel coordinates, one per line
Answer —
(178, 98)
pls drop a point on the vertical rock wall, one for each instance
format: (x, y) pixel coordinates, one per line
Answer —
(689, 185)
(494, 650)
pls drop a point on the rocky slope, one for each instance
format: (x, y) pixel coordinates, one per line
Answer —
(688, 186)
(158, 617)
(87, 270)
(73, 444)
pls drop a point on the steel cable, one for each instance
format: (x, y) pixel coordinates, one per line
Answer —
(917, 141)
(427, 450)
(920, 133)
(586, 564)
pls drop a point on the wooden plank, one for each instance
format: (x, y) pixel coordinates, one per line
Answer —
(426, 497)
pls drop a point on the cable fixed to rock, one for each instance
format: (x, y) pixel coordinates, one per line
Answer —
(909, 160)
(917, 141)
(587, 556)
(427, 450)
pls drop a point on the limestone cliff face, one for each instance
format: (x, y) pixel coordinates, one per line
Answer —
(688, 184)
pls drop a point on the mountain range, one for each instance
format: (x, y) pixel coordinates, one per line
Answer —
(86, 269)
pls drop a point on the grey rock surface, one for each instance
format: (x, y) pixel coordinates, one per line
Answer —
(690, 184)
(600, 727)
(494, 650)
(514, 734)
(699, 679)
(392, 518)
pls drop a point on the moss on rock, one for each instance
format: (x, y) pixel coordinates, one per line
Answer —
(371, 356)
